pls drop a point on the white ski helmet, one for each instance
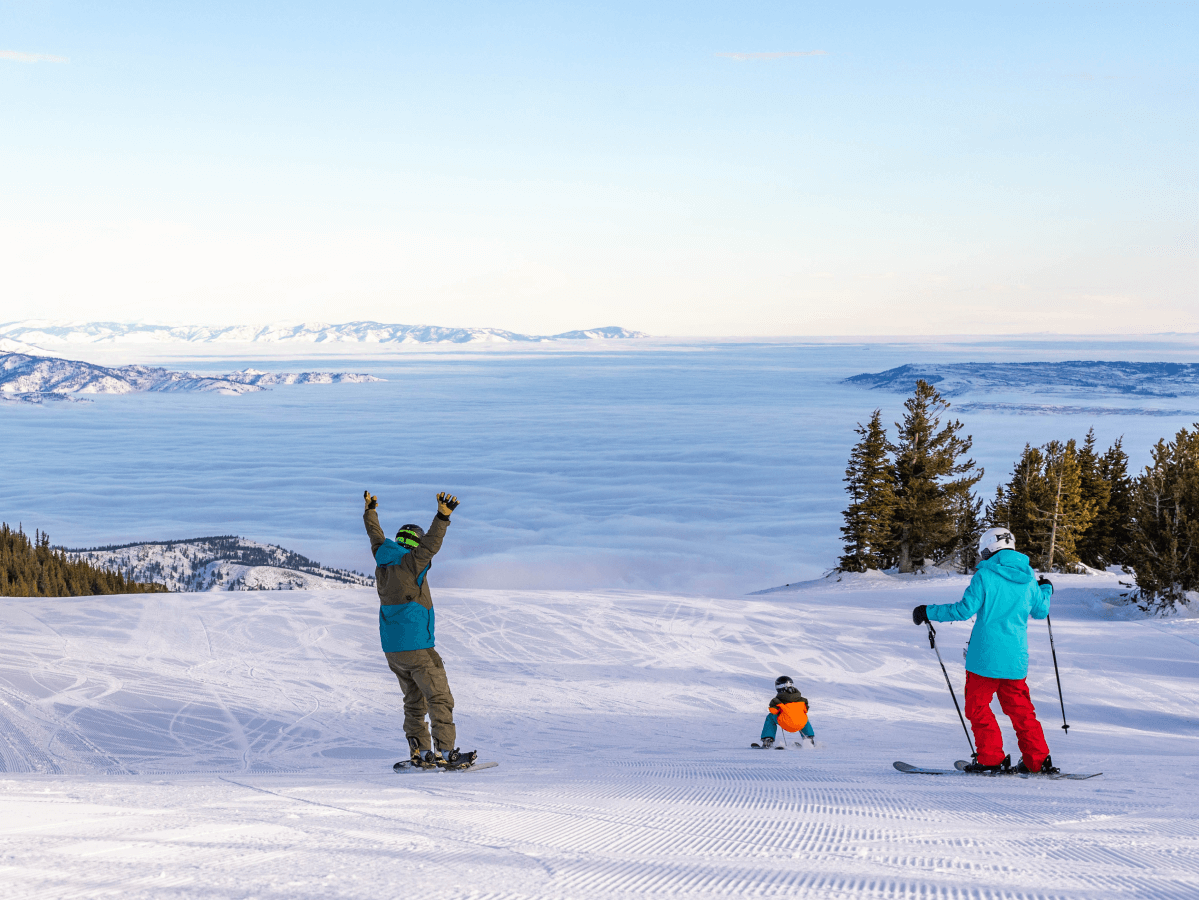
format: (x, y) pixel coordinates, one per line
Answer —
(994, 540)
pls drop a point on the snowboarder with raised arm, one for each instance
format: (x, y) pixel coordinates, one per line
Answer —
(406, 630)
(789, 711)
(1003, 595)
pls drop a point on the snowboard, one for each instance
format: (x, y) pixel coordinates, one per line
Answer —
(957, 770)
(406, 766)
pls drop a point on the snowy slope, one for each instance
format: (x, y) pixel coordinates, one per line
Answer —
(55, 332)
(22, 375)
(8, 345)
(226, 563)
(238, 745)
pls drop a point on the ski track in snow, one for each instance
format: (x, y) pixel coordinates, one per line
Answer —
(239, 745)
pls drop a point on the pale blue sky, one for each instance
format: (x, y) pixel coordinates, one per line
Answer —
(938, 168)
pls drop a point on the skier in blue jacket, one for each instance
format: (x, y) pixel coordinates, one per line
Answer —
(1003, 595)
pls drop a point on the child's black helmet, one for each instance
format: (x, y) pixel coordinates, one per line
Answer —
(410, 536)
(783, 682)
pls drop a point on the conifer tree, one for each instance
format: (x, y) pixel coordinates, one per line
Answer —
(1106, 539)
(931, 479)
(1164, 531)
(869, 476)
(968, 518)
(1016, 502)
(1064, 512)
(997, 515)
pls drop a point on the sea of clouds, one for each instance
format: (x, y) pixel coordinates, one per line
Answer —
(705, 467)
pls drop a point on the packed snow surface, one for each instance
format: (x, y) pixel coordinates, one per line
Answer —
(31, 377)
(240, 745)
(224, 563)
(54, 332)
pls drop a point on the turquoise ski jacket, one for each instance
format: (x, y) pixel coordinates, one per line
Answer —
(1002, 596)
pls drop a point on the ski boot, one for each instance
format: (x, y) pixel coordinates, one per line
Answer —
(1046, 769)
(1004, 766)
(768, 743)
(456, 759)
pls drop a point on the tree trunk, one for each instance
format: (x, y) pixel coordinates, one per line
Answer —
(905, 557)
(1049, 566)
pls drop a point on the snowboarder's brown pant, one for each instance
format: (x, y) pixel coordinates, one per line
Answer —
(422, 677)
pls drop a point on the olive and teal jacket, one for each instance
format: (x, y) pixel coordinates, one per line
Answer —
(1002, 596)
(406, 619)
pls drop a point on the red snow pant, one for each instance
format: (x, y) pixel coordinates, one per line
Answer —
(1014, 700)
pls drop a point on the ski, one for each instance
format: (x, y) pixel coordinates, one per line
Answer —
(761, 747)
(917, 770)
(406, 766)
(958, 770)
(1058, 776)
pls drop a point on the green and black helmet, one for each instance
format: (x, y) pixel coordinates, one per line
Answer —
(410, 536)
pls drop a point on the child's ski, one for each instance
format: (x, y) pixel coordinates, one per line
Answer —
(761, 747)
(406, 766)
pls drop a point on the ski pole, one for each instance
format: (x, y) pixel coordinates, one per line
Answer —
(953, 696)
(1054, 656)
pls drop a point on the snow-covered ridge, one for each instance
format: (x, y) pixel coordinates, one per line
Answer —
(224, 563)
(38, 331)
(26, 377)
(8, 345)
(1144, 379)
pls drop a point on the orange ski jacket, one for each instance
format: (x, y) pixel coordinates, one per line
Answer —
(790, 710)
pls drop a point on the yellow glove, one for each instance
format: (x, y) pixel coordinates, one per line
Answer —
(369, 501)
(447, 504)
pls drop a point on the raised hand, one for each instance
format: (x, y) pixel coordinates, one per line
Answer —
(446, 503)
(369, 501)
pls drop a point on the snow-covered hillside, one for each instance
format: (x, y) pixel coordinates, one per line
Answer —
(8, 345)
(239, 745)
(25, 377)
(1137, 379)
(226, 563)
(54, 332)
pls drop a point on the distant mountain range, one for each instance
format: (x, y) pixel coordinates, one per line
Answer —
(225, 563)
(44, 332)
(1135, 379)
(35, 378)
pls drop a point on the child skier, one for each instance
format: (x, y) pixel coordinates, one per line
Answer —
(789, 711)
(406, 632)
(1003, 594)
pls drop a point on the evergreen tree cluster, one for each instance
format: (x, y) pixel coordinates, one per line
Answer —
(30, 568)
(1067, 504)
(911, 500)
